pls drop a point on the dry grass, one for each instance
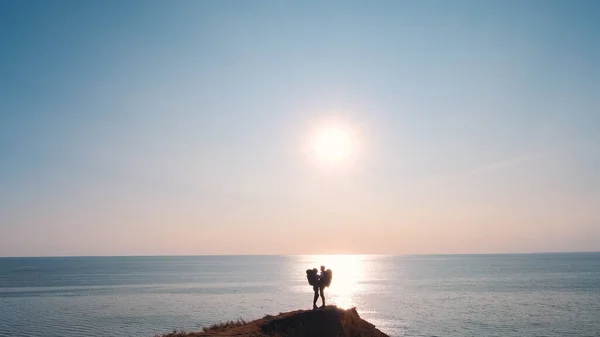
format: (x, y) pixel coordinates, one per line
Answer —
(175, 333)
(224, 325)
(213, 328)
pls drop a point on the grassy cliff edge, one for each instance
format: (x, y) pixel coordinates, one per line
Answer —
(326, 322)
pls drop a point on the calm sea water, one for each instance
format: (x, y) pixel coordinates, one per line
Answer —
(473, 295)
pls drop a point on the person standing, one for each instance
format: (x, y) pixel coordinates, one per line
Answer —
(319, 287)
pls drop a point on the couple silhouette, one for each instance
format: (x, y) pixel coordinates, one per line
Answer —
(319, 281)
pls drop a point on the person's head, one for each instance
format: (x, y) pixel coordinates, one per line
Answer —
(315, 270)
(322, 268)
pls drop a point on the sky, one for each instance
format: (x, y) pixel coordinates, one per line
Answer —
(188, 127)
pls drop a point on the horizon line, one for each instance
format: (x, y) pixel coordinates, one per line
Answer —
(291, 255)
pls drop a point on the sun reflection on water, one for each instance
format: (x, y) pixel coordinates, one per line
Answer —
(347, 273)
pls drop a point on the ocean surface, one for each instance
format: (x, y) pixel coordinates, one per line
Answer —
(455, 295)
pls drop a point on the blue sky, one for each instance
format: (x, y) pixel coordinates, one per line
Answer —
(132, 127)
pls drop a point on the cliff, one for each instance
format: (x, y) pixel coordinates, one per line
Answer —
(326, 322)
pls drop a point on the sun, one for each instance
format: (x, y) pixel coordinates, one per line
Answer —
(334, 144)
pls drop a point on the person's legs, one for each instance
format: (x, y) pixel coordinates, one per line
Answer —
(322, 295)
(316, 289)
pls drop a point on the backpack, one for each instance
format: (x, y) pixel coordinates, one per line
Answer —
(311, 276)
(327, 276)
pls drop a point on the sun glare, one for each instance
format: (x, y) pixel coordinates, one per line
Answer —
(346, 276)
(334, 143)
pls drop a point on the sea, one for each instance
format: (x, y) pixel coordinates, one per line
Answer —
(429, 295)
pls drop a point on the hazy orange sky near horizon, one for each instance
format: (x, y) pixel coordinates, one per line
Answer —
(192, 128)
